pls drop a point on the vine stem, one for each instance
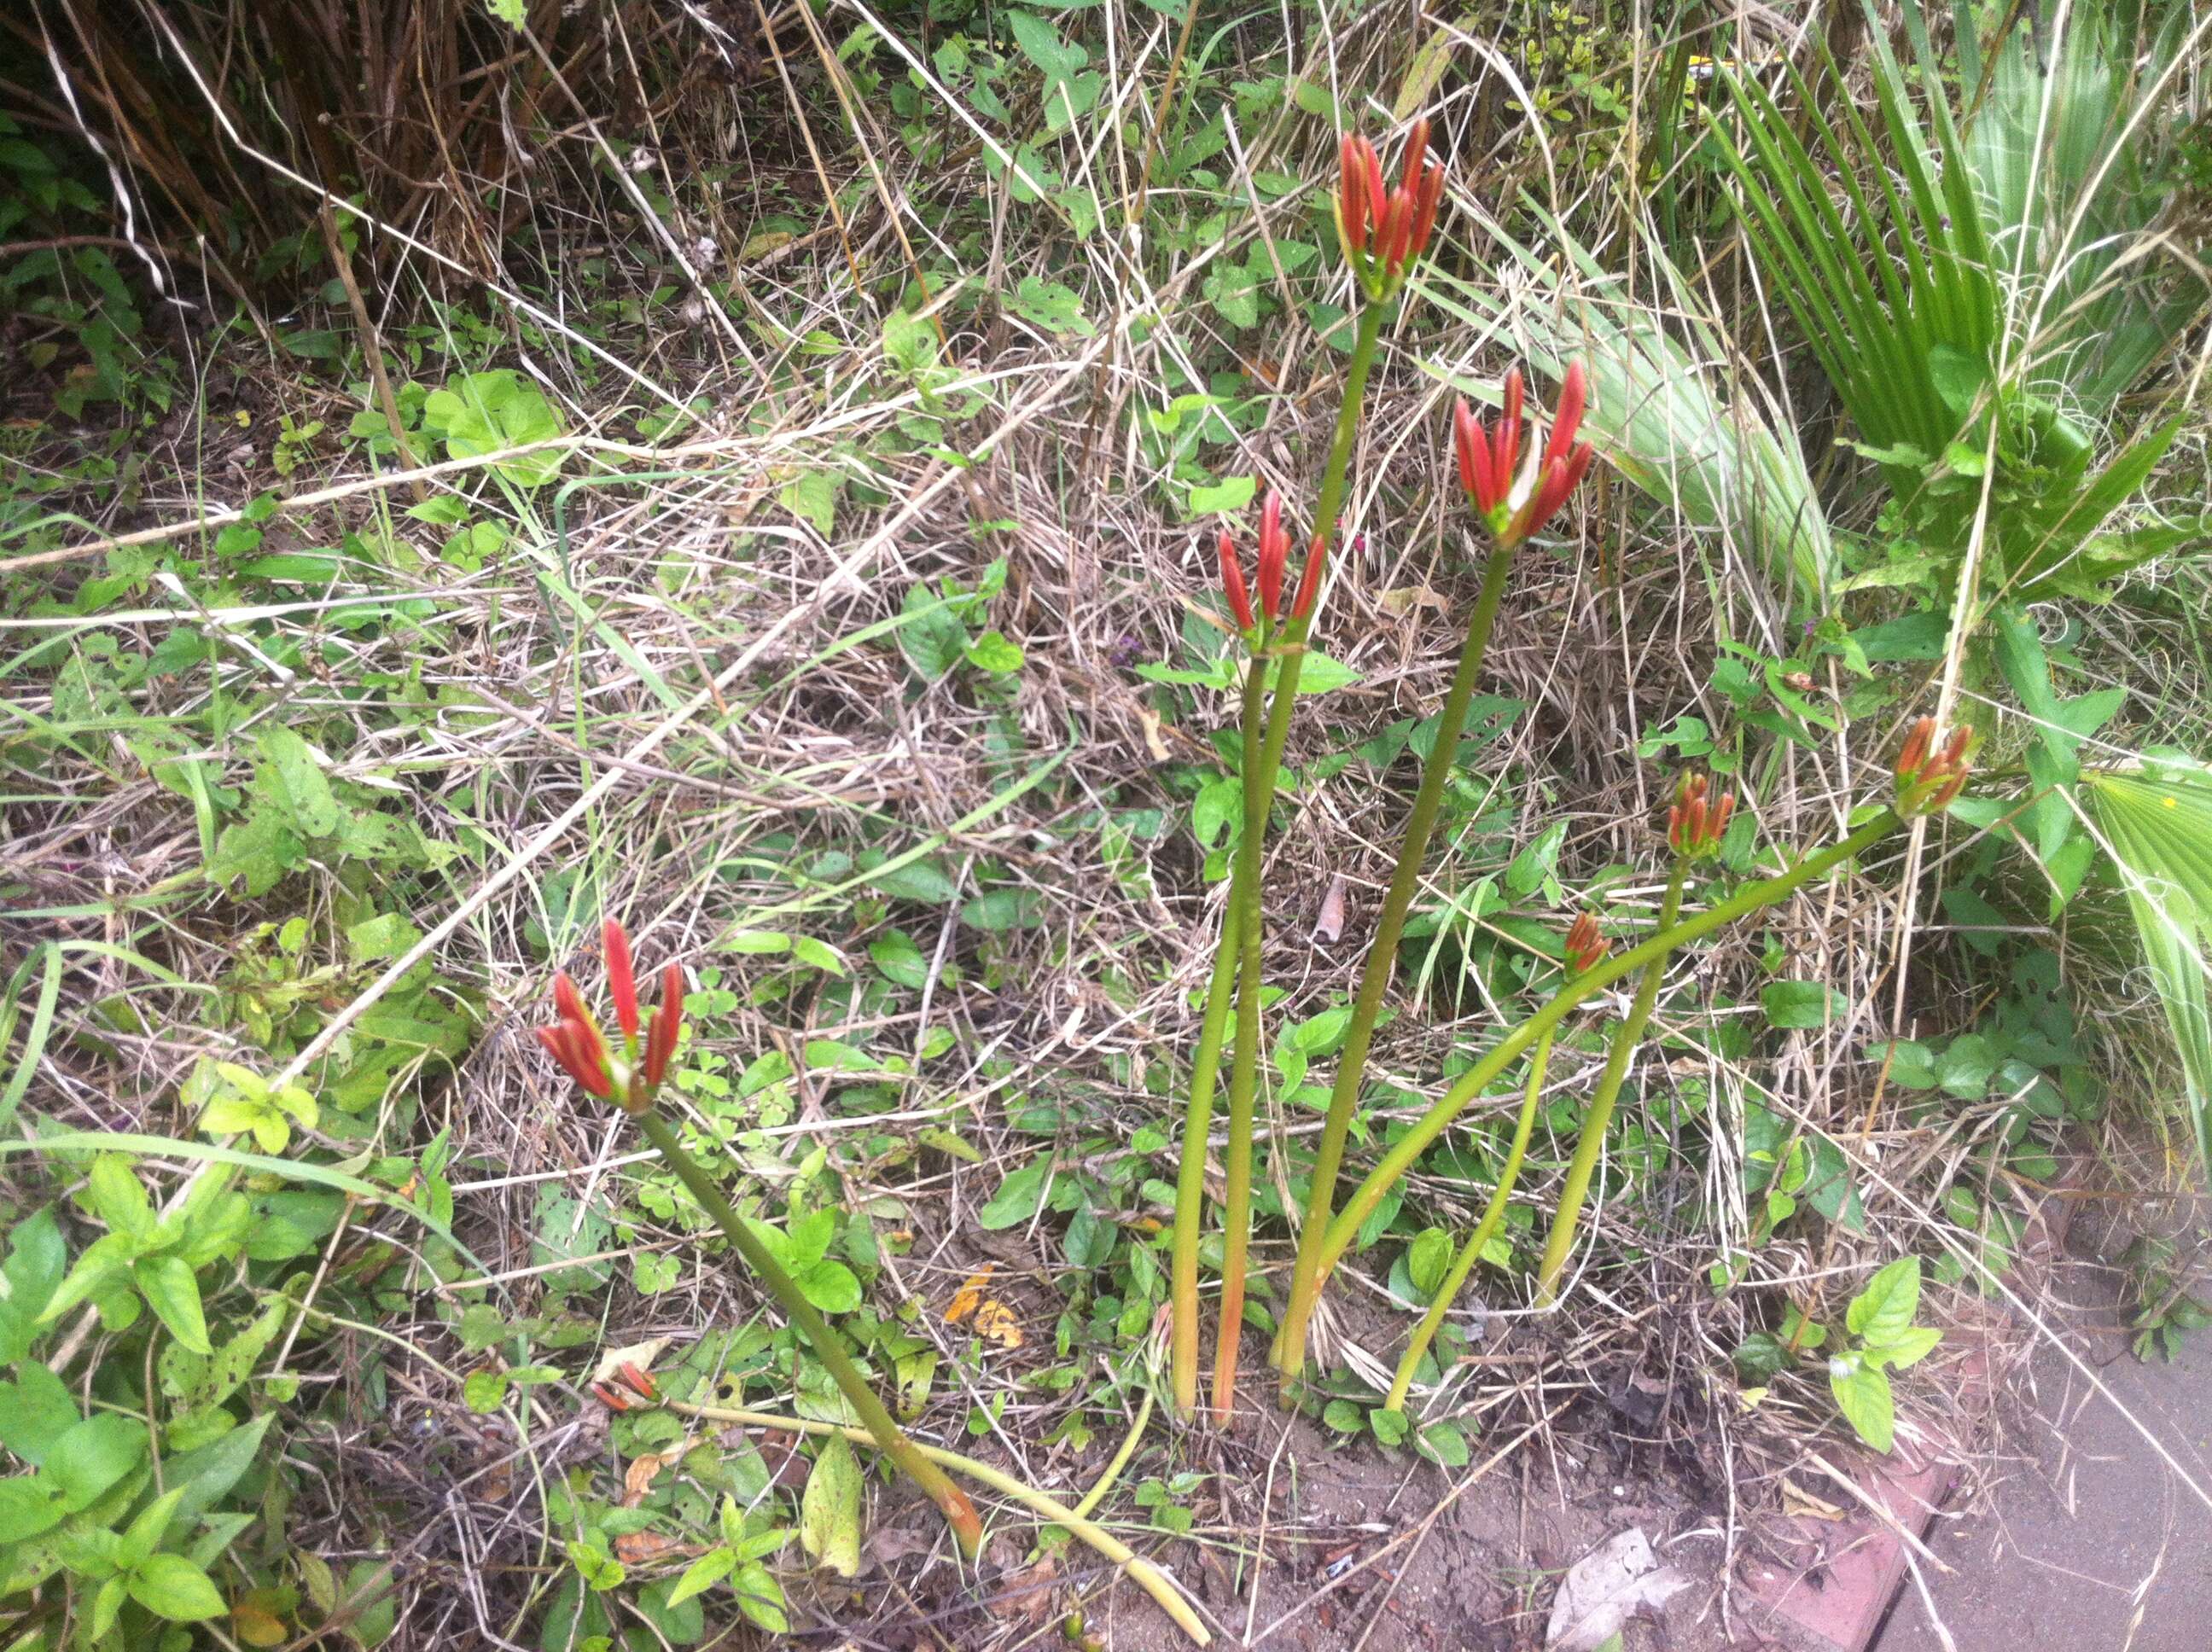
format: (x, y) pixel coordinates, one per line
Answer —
(1401, 1154)
(1382, 963)
(1145, 1575)
(1447, 1292)
(1190, 1179)
(915, 1461)
(1591, 1141)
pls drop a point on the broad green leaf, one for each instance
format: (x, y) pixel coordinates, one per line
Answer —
(91, 1457)
(702, 1574)
(174, 1294)
(301, 783)
(829, 1509)
(36, 1410)
(1883, 1312)
(1863, 1395)
(169, 1586)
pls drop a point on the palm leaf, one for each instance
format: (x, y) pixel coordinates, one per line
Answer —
(2158, 825)
(1658, 413)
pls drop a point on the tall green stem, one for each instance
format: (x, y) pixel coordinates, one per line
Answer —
(1425, 1332)
(1344, 1227)
(826, 1345)
(1382, 961)
(1591, 1141)
(1190, 1178)
(1190, 1172)
(1244, 1062)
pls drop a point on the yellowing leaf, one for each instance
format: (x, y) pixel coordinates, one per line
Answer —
(829, 1509)
(969, 1296)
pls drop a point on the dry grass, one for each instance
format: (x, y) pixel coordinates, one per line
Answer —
(734, 703)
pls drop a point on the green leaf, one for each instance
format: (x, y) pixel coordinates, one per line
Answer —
(1443, 1442)
(998, 910)
(87, 1459)
(1019, 1199)
(992, 653)
(118, 1197)
(1231, 493)
(29, 1504)
(1883, 1312)
(760, 1597)
(829, 1509)
(1862, 1394)
(169, 1586)
(811, 496)
(1428, 1259)
(1344, 1417)
(595, 1565)
(702, 1574)
(1390, 1427)
(145, 1532)
(1802, 1004)
(174, 1294)
(1910, 1348)
(301, 785)
(484, 1392)
(207, 1473)
(36, 1410)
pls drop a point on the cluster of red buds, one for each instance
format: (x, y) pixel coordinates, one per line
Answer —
(1384, 231)
(1515, 497)
(1693, 826)
(636, 1385)
(1274, 553)
(1928, 776)
(630, 1078)
(1586, 947)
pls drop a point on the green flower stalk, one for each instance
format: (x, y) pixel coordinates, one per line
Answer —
(1344, 1226)
(1591, 1140)
(1510, 510)
(1585, 950)
(630, 1078)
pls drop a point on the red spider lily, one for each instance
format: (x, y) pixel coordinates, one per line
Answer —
(1929, 777)
(1586, 947)
(631, 1077)
(1274, 548)
(1384, 231)
(1273, 560)
(1232, 583)
(1695, 825)
(1515, 496)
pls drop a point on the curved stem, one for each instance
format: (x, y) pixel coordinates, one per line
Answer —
(1591, 1141)
(1145, 1575)
(1425, 1332)
(1344, 1226)
(1097, 1494)
(825, 1344)
(1381, 962)
(1243, 1066)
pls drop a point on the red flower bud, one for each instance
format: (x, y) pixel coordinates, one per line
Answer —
(1695, 822)
(1514, 505)
(577, 1042)
(1274, 552)
(1309, 581)
(1586, 946)
(620, 981)
(1930, 778)
(1232, 583)
(660, 1039)
(1383, 230)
